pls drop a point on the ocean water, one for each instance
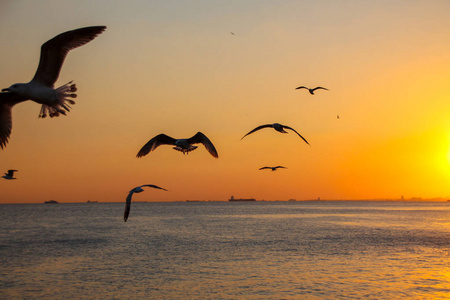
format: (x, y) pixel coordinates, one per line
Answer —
(222, 250)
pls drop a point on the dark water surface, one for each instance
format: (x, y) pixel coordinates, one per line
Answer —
(222, 250)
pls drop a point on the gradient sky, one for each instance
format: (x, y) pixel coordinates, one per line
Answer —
(174, 67)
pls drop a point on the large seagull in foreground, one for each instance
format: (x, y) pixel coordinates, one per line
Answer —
(278, 127)
(183, 145)
(41, 88)
(130, 194)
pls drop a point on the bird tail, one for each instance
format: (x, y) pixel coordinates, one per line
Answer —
(185, 151)
(63, 95)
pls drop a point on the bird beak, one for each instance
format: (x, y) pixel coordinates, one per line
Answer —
(6, 90)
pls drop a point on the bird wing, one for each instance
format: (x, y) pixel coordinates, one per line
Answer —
(128, 200)
(319, 88)
(127, 206)
(54, 51)
(263, 168)
(287, 127)
(154, 186)
(160, 139)
(301, 87)
(257, 128)
(201, 138)
(11, 172)
(7, 101)
(278, 167)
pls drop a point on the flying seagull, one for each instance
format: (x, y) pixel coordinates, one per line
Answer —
(311, 91)
(41, 88)
(183, 145)
(10, 174)
(273, 168)
(277, 127)
(130, 194)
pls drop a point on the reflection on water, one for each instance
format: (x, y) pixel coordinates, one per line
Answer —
(262, 250)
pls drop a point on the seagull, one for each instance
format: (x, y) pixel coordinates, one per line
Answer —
(10, 174)
(183, 145)
(130, 194)
(277, 127)
(41, 88)
(273, 168)
(311, 91)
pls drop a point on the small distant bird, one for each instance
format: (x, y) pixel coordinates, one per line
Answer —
(311, 91)
(41, 88)
(338, 116)
(183, 145)
(273, 168)
(10, 174)
(138, 189)
(232, 33)
(277, 127)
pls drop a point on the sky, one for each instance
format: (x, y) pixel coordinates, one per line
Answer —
(175, 67)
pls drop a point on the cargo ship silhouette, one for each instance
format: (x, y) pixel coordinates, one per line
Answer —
(240, 199)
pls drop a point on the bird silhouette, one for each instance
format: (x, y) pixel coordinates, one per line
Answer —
(183, 145)
(278, 127)
(9, 175)
(273, 168)
(41, 88)
(311, 91)
(137, 189)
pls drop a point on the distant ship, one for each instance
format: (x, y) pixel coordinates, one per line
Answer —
(234, 199)
(51, 202)
(89, 201)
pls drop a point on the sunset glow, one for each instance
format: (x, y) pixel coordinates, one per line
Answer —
(382, 131)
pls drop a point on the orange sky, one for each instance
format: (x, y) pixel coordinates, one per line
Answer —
(174, 67)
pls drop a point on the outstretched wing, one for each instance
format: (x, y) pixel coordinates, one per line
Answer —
(7, 101)
(280, 167)
(287, 127)
(319, 88)
(302, 87)
(263, 168)
(130, 194)
(158, 140)
(154, 186)
(257, 128)
(11, 172)
(54, 51)
(202, 139)
(127, 206)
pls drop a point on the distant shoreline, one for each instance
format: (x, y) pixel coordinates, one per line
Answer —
(420, 200)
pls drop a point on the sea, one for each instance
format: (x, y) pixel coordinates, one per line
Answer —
(226, 250)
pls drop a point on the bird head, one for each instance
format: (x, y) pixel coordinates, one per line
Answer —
(17, 88)
(137, 190)
(182, 143)
(278, 127)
